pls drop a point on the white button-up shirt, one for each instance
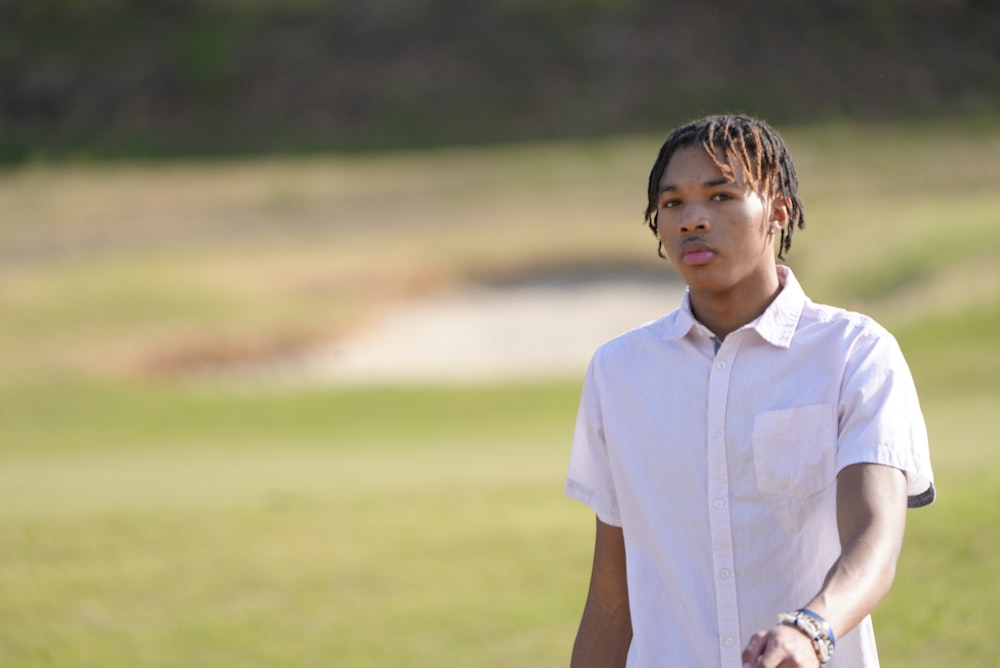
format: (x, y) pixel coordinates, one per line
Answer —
(720, 467)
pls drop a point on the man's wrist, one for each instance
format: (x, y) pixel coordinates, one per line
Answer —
(822, 622)
(815, 628)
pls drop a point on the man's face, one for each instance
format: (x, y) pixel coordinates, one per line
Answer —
(714, 228)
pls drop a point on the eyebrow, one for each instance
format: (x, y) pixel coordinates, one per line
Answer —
(718, 181)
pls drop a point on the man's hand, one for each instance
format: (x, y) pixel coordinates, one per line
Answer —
(780, 647)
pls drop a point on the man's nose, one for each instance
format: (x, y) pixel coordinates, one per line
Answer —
(694, 219)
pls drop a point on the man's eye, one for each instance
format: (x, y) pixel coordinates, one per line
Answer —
(721, 197)
(670, 203)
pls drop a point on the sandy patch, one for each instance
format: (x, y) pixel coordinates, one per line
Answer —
(488, 334)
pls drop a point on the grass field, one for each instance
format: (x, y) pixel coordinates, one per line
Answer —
(148, 518)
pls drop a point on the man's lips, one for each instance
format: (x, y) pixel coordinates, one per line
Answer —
(697, 257)
(694, 253)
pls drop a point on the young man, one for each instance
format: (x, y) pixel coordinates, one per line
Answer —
(750, 456)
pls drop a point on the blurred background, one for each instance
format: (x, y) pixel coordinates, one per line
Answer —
(296, 299)
(113, 78)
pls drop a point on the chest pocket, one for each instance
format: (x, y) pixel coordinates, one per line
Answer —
(795, 449)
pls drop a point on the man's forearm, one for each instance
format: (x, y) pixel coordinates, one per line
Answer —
(864, 572)
(604, 636)
(871, 515)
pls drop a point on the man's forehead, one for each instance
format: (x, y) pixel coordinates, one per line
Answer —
(716, 168)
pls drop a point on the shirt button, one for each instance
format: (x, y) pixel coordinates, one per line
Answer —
(724, 573)
(730, 641)
(720, 365)
(716, 432)
(719, 503)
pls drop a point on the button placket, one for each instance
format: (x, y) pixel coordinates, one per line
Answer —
(720, 524)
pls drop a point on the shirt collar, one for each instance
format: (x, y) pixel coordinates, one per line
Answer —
(776, 324)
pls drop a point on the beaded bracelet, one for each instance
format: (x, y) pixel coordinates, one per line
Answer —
(815, 628)
(822, 622)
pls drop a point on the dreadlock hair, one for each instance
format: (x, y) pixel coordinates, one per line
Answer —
(730, 139)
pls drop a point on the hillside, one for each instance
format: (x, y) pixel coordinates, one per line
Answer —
(188, 77)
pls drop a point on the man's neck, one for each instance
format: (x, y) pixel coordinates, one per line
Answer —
(725, 312)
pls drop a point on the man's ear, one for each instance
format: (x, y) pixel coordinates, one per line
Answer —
(781, 211)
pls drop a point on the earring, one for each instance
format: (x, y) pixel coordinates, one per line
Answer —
(774, 229)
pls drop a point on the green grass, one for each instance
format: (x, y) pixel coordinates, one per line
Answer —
(83, 417)
(937, 612)
(410, 540)
(153, 519)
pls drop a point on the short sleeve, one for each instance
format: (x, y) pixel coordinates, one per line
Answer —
(880, 420)
(590, 478)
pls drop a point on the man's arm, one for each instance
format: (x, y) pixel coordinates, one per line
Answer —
(606, 628)
(871, 517)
